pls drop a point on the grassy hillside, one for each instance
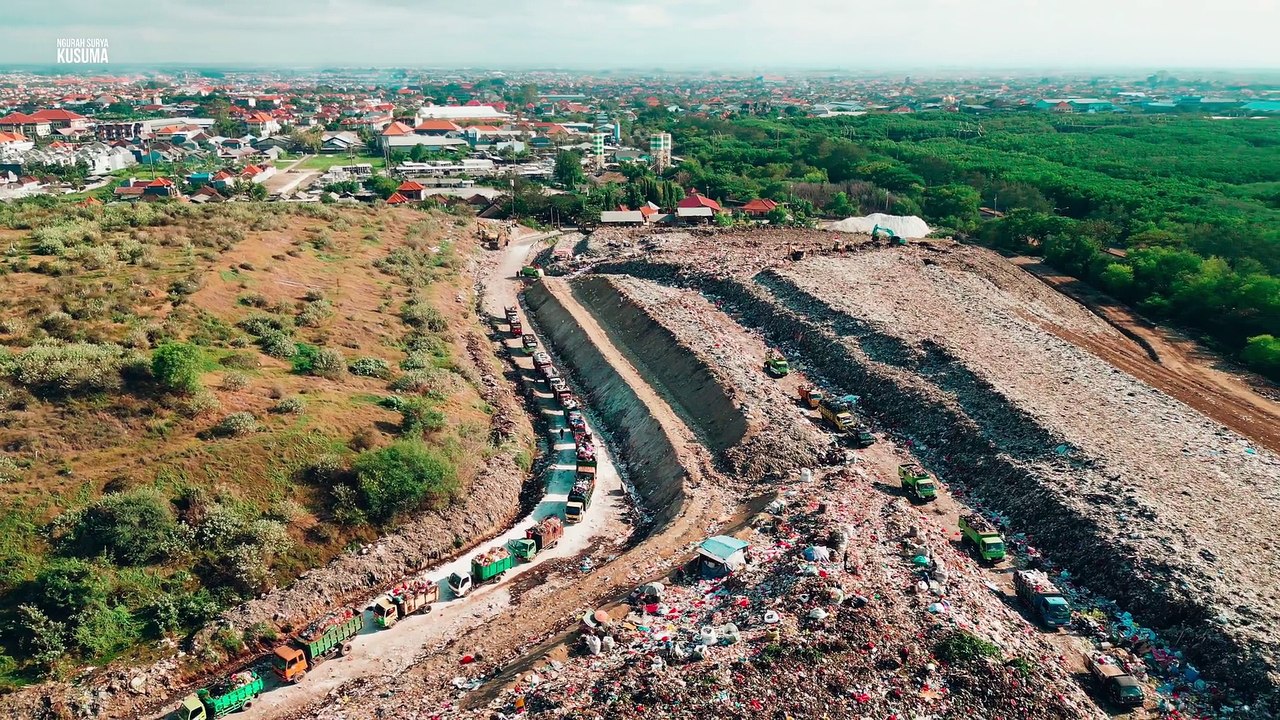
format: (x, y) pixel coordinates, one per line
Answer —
(197, 403)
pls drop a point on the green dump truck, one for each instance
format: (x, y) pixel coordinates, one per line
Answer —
(235, 693)
(983, 535)
(1040, 594)
(329, 635)
(916, 482)
(529, 272)
(777, 366)
(523, 548)
(486, 567)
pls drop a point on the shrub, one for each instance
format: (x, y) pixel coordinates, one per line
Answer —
(345, 506)
(9, 470)
(40, 638)
(67, 368)
(322, 362)
(259, 325)
(254, 300)
(1262, 352)
(418, 415)
(201, 403)
(238, 423)
(326, 467)
(403, 476)
(176, 367)
(289, 406)
(58, 324)
(432, 382)
(277, 344)
(104, 631)
(960, 646)
(234, 381)
(314, 313)
(136, 528)
(417, 313)
(370, 367)
(177, 610)
(241, 361)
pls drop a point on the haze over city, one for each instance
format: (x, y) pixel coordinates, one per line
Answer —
(673, 34)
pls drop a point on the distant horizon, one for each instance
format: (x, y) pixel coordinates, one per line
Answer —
(1085, 35)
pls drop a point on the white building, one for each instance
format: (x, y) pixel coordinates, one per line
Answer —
(459, 112)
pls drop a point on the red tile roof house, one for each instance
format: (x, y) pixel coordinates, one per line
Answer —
(436, 127)
(27, 125)
(397, 199)
(759, 207)
(697, 207)
(411, 190)
(163, 187)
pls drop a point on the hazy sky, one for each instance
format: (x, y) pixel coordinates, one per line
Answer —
(848, 34)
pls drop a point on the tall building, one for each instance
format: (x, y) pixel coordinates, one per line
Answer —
(660, 150)
(597, 149)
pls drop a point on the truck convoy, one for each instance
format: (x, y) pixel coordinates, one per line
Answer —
(916, 482)
(403, 601)
(330, 634)
(983, 535)
(486, 567)
(235, 693)
(1036, 590)
(1119, 687)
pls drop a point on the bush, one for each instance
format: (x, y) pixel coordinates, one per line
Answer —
(1262, 353)
(176, 367)
(314, 313)
(136, 528)
(417, 313)
(432, 382)
(105, 631)
(322, 362)
(201, 403)
(278, 344)
(239, 423)
(402, 477)
(418, 416)
(345, 506)
(9, 470)
(67, 369)
(241, 361)
(960, 646)
(259, 325)
(254, 300)
(234, 381)
(40, 638)
(289, 406)
(370, 367)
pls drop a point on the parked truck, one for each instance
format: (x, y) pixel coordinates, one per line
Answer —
(486, 567)
(529, 343)
(580, 496)
(983, 535)
(546, 534)
(586, 455)
(512, 314)
(523, 549)
(517, 328)
(810, 396)
(916, 482)
(549, 373)
(403, 601)
(235, 693)
(530, 272)
(329, 635)
(1036, 590)
(541, 360)
(576, 422)
(1120, 688)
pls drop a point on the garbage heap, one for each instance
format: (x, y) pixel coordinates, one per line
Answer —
(853, 604)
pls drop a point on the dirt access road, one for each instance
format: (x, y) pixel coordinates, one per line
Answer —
(1177, 365)
(387, 653)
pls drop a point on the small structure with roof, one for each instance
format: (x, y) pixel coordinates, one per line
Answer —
(720, 555)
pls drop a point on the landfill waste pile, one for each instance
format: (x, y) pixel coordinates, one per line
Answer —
(853, 604)
(983, 372)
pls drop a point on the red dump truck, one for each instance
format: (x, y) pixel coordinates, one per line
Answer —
(546, 533)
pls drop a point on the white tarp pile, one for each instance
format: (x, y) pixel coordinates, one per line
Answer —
(907, 226)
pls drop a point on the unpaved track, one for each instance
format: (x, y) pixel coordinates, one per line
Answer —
(559, 596)
(1184, 369)
(383, 653)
